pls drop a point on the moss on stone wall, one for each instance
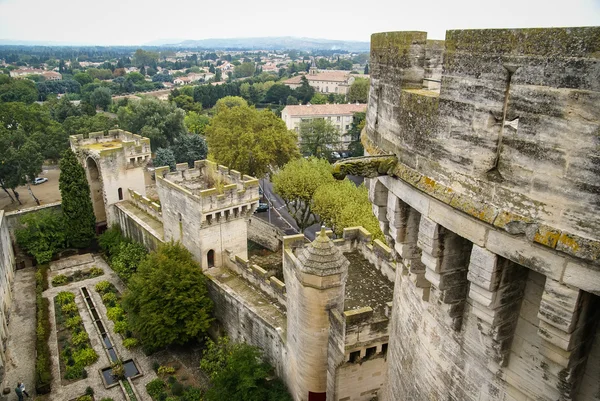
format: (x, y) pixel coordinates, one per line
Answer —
(549, 42)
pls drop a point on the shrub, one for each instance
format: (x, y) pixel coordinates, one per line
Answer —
(110, 240)
(107, 399)
(85, 397)
(104, 286)
(96, 271)
(69, 309)
(73, 322)
(74, 372)
(65, 297)
(155, 387)
(79, 339)
(85, 356)
(118, 370)
(166, 370)
(192, 394)
(177, 389)
(89, 391)
(115, 314)
(121, 327)
(130, 342)
(59, 280)
(109, 299)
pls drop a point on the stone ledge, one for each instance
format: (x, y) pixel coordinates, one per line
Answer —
(571, 244)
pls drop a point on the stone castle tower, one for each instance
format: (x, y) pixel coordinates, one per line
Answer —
(487, 187)
(114, 162)
(315, 283)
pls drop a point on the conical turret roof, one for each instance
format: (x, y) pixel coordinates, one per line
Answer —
(321, 257)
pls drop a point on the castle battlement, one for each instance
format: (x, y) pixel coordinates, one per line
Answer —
(134, 147)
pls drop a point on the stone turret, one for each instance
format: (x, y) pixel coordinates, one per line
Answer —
(315, 278)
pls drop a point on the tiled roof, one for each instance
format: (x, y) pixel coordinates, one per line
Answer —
(324, 109)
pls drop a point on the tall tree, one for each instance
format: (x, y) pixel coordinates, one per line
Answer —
(318, 137)
(249, 140)
(190, 147)
(78, 212)
(196, 122)
(167, 300)
(160, 121)
(359, 91)
(304, 92)
(297, 182)
(41, 234)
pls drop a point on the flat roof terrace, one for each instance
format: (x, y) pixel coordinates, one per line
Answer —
(366, 286)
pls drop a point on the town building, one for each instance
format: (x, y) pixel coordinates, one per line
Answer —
(328, 81)
(24, 72)
(340, 115)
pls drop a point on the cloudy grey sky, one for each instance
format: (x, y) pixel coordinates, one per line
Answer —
(124, 22)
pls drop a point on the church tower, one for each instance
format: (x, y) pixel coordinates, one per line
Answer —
(315, 277)
(313, 67)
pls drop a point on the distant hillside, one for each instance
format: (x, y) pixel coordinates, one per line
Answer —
(274, 43)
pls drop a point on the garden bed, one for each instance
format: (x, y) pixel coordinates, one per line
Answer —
(43, 362)
(79, 275)
(111, 298)
(74, 345)
(173, 383)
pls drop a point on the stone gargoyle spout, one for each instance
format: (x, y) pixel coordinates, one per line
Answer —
(365, 166)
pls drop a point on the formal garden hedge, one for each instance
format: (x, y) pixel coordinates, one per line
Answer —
(43, 362)
(74, 345)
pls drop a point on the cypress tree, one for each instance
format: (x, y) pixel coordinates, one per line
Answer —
(78, 212)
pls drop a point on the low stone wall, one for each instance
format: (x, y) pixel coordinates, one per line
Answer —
(135, 229)
(264, 234)
(242, 323)
(145, 204)
(258, 277)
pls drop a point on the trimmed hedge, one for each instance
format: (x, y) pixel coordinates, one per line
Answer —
(43, 363)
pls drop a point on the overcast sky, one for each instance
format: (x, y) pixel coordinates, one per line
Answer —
(134, 22)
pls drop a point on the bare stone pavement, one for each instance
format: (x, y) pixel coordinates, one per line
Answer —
(20, 347)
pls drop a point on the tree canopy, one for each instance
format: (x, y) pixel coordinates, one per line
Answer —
(341, 204)
(238, 372)
(160, 121)
(318, 137)
(78, 212)
(297, 182)
(42, 234)
(17, 90)
(196, 122)
(167, 300)
(249, 140)
(359, 91)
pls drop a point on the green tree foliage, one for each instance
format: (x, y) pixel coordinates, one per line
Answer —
(101, 98)
(244, 70)
(64, 86)
(42, 234)
(35, 123)
(249, 140)
(297, 182)
(278, 94)
(229, 102)
(162, 122)
(165, 157)
(85, 124)
(127, 259)
(187, 103)
(18, 90)
(167, 300)
(319, 98)
(304, 92)
(358, 123)
(78, 213)
(196, 122)
(318, 137)
(238, 372)
(142, 58)
(366, 68)
(190, 147)
(63, 108)
(341, 204)
(83, 78)
(359, 91)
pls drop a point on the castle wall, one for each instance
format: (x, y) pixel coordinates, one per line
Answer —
(243, 323)
(7, 272)
(491, 210)
(264, 233)
(135, 228)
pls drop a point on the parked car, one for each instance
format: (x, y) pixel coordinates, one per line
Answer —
(39, 180)
(262, 207)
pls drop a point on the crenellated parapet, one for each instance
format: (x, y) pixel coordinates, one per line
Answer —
(142, 202)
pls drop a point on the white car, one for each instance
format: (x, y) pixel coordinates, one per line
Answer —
(39, 180)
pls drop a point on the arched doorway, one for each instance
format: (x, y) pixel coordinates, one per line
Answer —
(210, 258)
(96, 190)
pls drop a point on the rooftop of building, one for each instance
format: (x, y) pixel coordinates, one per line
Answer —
(366, 286)
(330, 76)
(106, 142)
(324, 109)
